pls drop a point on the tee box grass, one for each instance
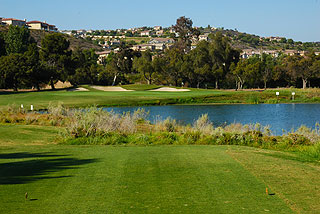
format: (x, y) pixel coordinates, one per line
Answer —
(153, 179)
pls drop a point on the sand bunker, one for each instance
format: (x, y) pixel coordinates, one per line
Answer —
(109, 88)
(78, 89)
(170, 89)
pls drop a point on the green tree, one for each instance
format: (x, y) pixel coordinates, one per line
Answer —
(267, 66)
(12, 71)
(2, 45)
(202, 63)
(174, 61)
(290, 41)
(247, 72)
(301, 67)
(184, 29)
(85, 67)
(145, 66)
(222, 55)
(17, 39)
(34, 72)
(55, 57)
(122, 62)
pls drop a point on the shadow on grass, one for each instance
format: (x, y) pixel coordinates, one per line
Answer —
(28, 155)
(26, 171)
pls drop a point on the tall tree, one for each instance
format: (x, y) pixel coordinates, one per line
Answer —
(17, 39)
(145, 66)
(300, 67)
(55, 57)
(202, 64)
(85, 67)
(222, 55)
(34, 72)
(185, 30)
(247, 72)
(12, 71)
(2, 45)
(174, 61)
(267, 66)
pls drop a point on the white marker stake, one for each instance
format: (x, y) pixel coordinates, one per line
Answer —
(277, 93)
(21, 105)
(293, 93)
(31, 108)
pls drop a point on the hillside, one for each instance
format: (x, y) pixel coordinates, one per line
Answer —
(74, 42)
(242, 40)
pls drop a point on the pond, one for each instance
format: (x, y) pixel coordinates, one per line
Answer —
(279, 116)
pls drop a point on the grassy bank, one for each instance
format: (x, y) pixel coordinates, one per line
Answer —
(142, 97)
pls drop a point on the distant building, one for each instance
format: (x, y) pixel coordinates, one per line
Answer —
(272, 38)
(37, 25)
(291, 52)
(69, 32)
(161, 43)
(144, 47)
(161, 40)
(14, 22)
(145, 33)
(157, 28)
(247, 53)
(273, 53)
(159, 32)
(204, 37)
(102, 55)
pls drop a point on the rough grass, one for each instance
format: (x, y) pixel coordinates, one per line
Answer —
(42, 99)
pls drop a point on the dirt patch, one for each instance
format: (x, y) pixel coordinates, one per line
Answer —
(170, 89)
(109, 88)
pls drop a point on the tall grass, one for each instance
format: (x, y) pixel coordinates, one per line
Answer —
(96, 126)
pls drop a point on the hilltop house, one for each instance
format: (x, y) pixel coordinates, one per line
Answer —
(204, 37)
(37, 25)
(157, 28)
(159, 32)
(161, 43)
(102, 55)
(143, 47)
(14, 22)
(145, 33)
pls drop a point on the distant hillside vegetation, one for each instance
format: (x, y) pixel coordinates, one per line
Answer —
(74, 42)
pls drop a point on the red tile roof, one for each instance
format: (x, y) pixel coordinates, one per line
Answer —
(35, 22)
(12, 19)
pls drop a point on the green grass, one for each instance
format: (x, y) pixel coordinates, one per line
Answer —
(27, 134)
(41, 99)
(154, 179)
(140, 87)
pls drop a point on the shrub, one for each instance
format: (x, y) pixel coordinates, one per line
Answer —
(203, 124)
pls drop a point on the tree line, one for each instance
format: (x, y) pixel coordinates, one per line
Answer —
(211, 64)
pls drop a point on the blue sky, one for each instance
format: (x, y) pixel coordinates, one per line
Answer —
(296, 19)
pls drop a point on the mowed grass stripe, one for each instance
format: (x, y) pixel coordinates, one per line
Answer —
(188, 179)
(159, 179)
